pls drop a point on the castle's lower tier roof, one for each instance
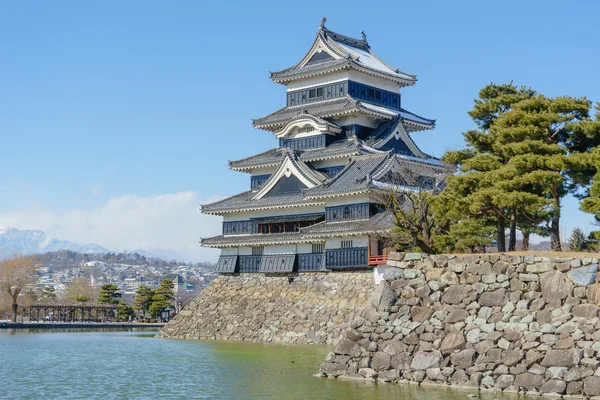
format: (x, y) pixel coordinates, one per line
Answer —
(338, 107)
(377, 224)
(244, 202)
(273, 157)
(222, 241)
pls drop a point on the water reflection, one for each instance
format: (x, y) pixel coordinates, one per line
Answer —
(119, 365)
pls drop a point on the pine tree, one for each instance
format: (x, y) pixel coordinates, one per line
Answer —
(525, 158)
(577, 240)
(143, 299)
(109, 294)
(477, 180)
(163, 295)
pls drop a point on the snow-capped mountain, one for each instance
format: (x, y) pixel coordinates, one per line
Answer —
(13, 241)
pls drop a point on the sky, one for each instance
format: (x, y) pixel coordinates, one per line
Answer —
(117, 119)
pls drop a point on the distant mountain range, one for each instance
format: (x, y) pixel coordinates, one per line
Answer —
(16, 241)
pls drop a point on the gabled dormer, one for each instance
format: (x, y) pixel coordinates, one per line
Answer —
(292, 176)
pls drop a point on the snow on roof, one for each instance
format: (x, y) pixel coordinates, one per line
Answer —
(403, 113)
(366, 58)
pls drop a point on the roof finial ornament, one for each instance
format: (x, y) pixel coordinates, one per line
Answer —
(364, 35)
(323, 20)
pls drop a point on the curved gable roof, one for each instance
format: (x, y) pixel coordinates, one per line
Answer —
(342, 52)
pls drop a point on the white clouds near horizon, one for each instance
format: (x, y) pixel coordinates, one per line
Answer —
(167, 225)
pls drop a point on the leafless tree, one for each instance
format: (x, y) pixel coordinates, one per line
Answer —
(15, 273)
(406, 194)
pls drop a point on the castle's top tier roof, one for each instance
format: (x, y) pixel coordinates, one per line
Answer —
(332, 51)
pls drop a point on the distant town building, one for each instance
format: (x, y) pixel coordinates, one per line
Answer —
(343, 135)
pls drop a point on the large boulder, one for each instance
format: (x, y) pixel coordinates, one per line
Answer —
(593, 294)
(347, 347)
(587, 311)
(554, 386)
(457, 315)
(493, 299)
(464, 359)
(455, 294)
(454, 340)
(561, 358)
(332, 369)
(555, 286)
(381, 361)
(591, 385)
(421, 314)
(383, 297)
(426, 359)
(529, 381)
(401, 361)
(584, 276)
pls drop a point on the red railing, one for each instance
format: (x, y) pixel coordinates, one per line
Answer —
(378, 260)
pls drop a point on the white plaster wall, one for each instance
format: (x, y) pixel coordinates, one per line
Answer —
(245, 251)
(338, 76)
(357, 119)
(229, 251)
(357, 241)
(282, 249)
(243, 216)
(329, 163)
(345, 200)
(304, 248)
(374, 81)
(263, 171)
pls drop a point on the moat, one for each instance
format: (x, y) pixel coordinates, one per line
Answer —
(135, 365)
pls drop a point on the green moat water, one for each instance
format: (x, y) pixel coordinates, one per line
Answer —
(135, 365)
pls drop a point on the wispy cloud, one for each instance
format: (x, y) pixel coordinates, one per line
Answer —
(164, 224)
(96, 187)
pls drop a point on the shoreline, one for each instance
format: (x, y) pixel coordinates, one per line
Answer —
(76, 325)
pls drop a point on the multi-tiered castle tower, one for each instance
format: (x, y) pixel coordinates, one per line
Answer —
(311, 205)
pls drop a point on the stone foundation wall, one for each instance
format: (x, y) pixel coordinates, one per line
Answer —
(516, 324)
(311, 308)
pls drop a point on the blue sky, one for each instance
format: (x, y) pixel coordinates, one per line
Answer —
(106, 107)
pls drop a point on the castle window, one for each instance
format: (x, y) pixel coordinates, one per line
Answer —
(346, 214)
(377, 95)
(258, 250)
(371, 93)
(346, 244)
(320, 92)
(318, 247)
(306, 129)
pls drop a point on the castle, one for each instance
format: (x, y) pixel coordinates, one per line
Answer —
(343, 135)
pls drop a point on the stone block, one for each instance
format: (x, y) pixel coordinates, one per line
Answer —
(421, 314)
(554, 386)
(561, 358)
(381, 361)
(455, 294)
(453, 340)
(584, 276)
(425, 360)
(529, 381)
(493, 299)
(413, 256)
(591, 385)
(332, 369)
(555, 286)
(347, 347)
(463, 359)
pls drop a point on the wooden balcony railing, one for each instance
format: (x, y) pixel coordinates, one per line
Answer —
(378, 260)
